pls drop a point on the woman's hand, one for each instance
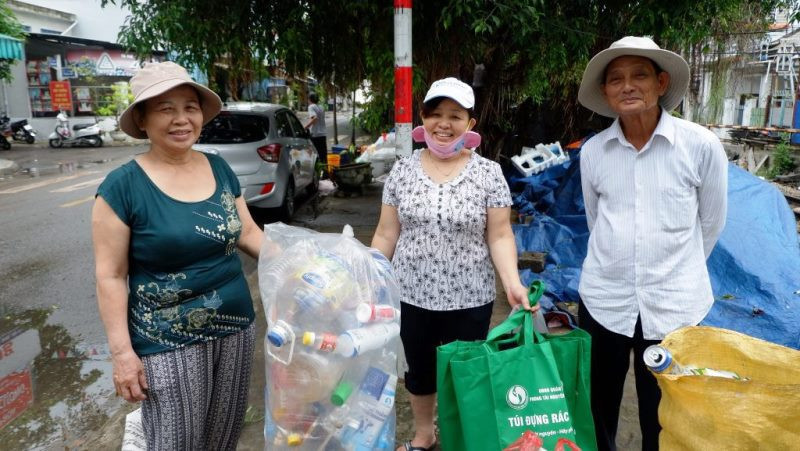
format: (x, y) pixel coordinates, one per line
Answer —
(517, 295)
(129, 379)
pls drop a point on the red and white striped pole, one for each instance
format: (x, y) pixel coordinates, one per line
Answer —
(403, 77)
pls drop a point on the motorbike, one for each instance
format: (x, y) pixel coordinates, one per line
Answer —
(81, 134)
(20, 130)
(5, 133)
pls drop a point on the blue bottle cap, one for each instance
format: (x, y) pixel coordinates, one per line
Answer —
(275, 338)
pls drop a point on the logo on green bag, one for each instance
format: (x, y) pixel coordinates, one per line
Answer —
(517, 397)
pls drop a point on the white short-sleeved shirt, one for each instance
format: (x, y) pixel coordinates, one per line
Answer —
(441, 259)
(318, 127)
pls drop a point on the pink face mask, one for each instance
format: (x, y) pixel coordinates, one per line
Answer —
(469, 140)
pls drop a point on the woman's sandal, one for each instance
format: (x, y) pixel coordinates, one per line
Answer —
(407, 446)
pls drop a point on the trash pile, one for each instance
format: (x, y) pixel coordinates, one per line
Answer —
(754, 295)
(332, 341)
(381, 154)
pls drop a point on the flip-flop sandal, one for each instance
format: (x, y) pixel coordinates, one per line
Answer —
(409, 447)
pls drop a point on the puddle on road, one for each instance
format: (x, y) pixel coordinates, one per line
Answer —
(54, 391)
(38, 168)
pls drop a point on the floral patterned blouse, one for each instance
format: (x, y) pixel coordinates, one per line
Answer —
(185, 279)
(442, 260)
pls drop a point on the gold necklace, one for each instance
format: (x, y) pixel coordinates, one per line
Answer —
(435, 166)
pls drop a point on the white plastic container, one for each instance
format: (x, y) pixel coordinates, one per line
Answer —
(376, 313)
(371, 409)
(533, 160)
(355, 342)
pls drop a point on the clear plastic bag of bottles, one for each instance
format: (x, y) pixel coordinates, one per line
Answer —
(333, 327)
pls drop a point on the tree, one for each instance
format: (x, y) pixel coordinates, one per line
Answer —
(9, 26)
(114, 104)
(533, 52)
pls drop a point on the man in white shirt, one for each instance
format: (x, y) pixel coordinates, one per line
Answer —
(655, 190)
(316, 127)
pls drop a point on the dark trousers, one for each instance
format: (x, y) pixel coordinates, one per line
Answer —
(321, 143)
(611, 354)
(422, 330)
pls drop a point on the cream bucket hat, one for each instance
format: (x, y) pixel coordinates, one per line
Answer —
(591, 95)
(155, 79)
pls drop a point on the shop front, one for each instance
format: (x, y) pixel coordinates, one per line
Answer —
(74, 75)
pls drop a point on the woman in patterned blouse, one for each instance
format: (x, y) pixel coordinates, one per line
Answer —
(444, 221)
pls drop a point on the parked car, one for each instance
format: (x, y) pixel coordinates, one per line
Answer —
(268, 149)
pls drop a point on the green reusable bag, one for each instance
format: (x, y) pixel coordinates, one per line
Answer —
(502, 387)
(451, 435)
(573, 354)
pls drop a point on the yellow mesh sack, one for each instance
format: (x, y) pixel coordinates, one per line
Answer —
(713, 413)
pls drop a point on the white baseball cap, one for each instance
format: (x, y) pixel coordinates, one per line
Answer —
(454, 89)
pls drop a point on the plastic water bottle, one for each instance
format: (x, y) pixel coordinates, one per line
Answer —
(351, 379)
(324, 342)
(355, 342)
(659, 360)
(308, 298)
(369, 313)
(296, 390)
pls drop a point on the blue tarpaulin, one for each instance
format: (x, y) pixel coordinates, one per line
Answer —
(754, 268)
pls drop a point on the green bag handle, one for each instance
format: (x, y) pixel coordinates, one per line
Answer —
(522, 319)
(535, 291)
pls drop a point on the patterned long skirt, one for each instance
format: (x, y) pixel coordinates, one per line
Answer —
(197, 395)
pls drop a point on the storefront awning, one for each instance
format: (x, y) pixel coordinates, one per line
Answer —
(10, 48)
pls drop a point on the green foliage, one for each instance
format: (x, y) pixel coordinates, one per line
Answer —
(323, 98)
(9, 26)
(782, 161)
(532, 49)
(121, 96)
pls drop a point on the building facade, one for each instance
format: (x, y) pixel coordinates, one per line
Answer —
(71, 60)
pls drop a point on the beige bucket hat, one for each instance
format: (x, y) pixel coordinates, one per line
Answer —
(155, 79)
(591, 95)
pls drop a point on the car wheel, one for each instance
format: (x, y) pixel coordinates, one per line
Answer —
(287, 209)
(56, 143)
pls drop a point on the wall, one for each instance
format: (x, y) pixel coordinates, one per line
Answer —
(37, 22)
(94, 22)
(747, 116)
(16, 94)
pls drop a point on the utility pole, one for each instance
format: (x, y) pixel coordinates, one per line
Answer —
(403, 77)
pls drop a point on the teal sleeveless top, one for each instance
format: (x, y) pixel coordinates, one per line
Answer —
(185, 278)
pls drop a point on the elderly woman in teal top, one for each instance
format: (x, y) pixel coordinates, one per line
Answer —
(170, 286)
